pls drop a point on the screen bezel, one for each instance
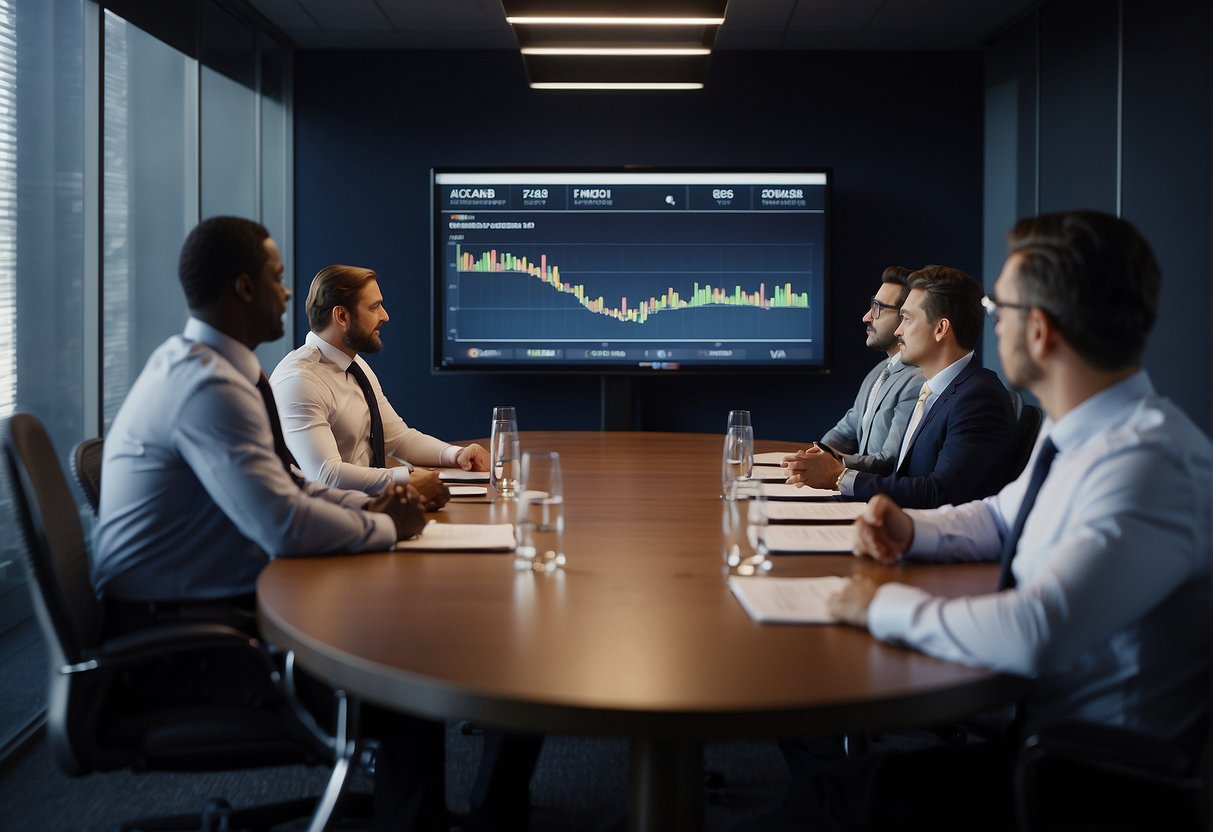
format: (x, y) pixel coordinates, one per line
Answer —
(630, 369)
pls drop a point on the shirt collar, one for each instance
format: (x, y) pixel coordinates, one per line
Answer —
(333, 354)
(1100, 411)
(238, 355)
(940, 381)
(895, 363)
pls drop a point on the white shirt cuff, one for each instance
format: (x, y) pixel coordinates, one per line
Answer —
(891, 613)
(400, 474)
(926, 533)
(450, 456)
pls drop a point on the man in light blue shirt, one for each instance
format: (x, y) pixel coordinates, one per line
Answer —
(1104, 538)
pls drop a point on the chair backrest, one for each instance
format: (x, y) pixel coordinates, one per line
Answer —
(85, 463)
(1027, 427)
(56, 559)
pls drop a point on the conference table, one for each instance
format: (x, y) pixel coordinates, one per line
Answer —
(637, 636)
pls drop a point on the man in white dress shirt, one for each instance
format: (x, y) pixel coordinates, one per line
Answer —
(1104, 539)
(330, 400)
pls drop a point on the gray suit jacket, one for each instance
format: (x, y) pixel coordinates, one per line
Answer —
(874, 447)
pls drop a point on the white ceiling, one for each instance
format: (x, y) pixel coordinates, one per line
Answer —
(749, 24)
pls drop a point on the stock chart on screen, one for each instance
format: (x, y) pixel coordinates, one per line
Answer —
(629, 270)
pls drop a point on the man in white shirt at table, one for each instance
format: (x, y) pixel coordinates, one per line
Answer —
(1103, 596)
(326, 391)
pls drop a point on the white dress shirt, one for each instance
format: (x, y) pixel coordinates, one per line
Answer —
(196, 502)
(327, 424)
(1110, 614)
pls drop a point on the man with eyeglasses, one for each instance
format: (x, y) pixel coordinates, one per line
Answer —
(868, 436)
(1103, 541)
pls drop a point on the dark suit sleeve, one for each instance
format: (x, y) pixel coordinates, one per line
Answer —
(963, 454)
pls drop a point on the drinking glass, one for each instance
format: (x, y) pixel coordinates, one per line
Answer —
(503, 453)
(743, 528)
(739, 419)
(737, 462)
(539, 529)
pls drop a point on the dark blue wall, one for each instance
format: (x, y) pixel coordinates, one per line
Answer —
(902, 131)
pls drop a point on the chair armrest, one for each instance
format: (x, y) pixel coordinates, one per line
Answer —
(1111, 749)
(141, 646)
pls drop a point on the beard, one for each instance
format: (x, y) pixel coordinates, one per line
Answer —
(884, 343)
(362, 340)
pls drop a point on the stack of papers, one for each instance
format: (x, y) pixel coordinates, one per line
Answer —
(808, 512)
(460, 475)
(769, 473)
(783, 491)
(461, 537)
(786, 600)
(773, 457)
(804, 539)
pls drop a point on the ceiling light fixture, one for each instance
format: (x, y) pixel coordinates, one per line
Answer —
(614, 21)
(620, 85)
(605, 50)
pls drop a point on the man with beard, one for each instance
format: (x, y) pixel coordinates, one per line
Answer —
(868, 436)
(1103, 540)
(961, 437)
(342, 430)
(335, 418)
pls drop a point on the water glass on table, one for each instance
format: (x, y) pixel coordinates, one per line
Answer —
(743, 527)
(503, 453)
(539, 528)
(739, 419)
(737, 461)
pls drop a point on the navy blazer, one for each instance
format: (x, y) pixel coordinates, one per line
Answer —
(962, 450)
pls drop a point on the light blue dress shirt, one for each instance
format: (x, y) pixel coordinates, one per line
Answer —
(1111, 610)
(195, 501)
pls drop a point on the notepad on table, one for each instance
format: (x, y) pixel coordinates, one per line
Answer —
(460, 475)
(786, 600)
(783, 491)
(772, 457)
(768, 473)
(468, 490)
(808, 512)
(805, 539)
(461, 537)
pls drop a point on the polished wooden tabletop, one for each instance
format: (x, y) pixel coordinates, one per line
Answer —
(638, 634)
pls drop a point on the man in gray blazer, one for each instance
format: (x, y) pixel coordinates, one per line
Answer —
(868, 436)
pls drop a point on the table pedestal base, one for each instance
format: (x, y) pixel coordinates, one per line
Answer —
(666, 783)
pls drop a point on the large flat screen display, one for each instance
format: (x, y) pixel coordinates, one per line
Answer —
(630, 270)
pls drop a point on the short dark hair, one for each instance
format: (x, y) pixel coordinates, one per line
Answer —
(215, 253)
(901, 276)
(955, 295)
(334, 286)
(1095, 276)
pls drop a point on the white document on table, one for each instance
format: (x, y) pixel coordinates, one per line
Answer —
(823, 512)
(772, 457)
(796, 539)
(460, 475)
(468, 490)
(768, 473)
(783, 491)
(786, 600)
(461, 537)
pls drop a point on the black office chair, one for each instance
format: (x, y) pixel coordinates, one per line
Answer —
(89, 725)
(85, 463)
(1080, 776)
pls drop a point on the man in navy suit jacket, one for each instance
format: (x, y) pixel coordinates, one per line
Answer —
(961, 438)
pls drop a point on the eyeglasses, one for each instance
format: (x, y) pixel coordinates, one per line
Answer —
(877, 306)
(993, 304)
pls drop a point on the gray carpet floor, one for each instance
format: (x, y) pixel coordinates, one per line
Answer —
(579, 784)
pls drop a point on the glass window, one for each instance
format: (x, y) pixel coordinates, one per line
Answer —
(41, 294)
(150, 198)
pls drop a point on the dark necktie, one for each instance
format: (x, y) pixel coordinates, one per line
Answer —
(380, 458)
(271, 409)
(1044, 460)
